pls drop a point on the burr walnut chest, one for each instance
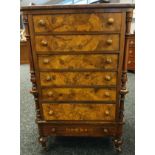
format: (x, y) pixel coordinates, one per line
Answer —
(78, 67)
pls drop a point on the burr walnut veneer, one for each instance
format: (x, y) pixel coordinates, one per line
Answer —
(78, 66)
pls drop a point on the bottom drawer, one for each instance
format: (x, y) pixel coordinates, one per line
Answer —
(66, 111)
(80, 130)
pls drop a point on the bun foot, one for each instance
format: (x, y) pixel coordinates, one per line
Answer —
(118, 144)
(43, 142)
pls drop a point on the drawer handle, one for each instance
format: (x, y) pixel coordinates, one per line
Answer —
(42, 22)
(107, 78)
(44, 43)
(53, 129)
(110, 21)
(130, 51)
(50, 112)
(50, 94)
(46, 61)
(105, 130)
(107, 94)
(109, 41)
(129, 62)
(109, 60)
(107, 113)
(48, 78)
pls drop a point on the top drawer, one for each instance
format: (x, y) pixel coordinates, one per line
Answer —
(78, 22)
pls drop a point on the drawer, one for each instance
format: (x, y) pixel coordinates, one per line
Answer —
(77, 78)
(79, 94)
(79, 130)
(76, 43)
(78, 22)
(87, 61)
(105, 112)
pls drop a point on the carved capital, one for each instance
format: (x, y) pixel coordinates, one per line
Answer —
(129, 16)
(25, 21)
(128, 21)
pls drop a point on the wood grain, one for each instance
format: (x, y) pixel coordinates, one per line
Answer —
(79, 111)
(81, 129)
(77, 78)
(24, 52)
(96, 61)
(77, 22)
(79, 94)
(76, 43)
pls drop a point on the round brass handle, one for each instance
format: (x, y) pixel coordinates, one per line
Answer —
(107, 112)
(46, 61)
(129, 62)
(48, 78)
(109, 41)
(109, 60)
(44, 43)
(53, 129)
(105, 130)
(107, 94)
(50, 94)
(110, 21)
(107, 78)
(130, 51)
(50, 112)
(42, 22)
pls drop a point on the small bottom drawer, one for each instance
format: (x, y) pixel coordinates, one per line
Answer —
(79, 130)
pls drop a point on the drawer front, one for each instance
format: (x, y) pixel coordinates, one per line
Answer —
(77, 78)
(87, 61)
(79, 111)
(77, 43)
(79, 130)
(79, 94)
(78, 22)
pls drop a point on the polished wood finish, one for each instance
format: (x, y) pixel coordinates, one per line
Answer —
(131, 52)
(100, 61)
(79, 112)
(24, 52)
(77, 22)
(78, 78)
(76, 43)
(80, 130)
(78, 66)
(79, 94)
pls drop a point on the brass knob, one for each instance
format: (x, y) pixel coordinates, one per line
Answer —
(44, 43)
(53, 129)
(129, 62)
(107, 112)
(46, 61)
(48, 78)
(109, 41)
(110, 21)
(50, 94)
(109, 60)
(42, 22)
(50, 112)
(105, 130)
(130, 51)
(107, 94)
(107, 78)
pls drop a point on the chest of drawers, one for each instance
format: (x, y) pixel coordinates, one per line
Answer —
(78, 66)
